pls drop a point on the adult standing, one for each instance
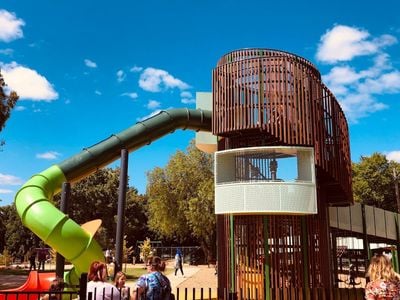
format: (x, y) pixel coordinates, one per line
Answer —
(108, 256)
(178, 262)
(384, 281)
(352, 275)
(97, 285)
(32, 259)
(154, 285)
(42, 256)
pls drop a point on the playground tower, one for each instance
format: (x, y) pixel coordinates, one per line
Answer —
(283, 158)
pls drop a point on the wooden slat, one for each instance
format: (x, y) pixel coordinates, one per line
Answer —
(294, 108)
(266, 97)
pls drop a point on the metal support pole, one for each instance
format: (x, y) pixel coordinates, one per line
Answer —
(397, 254)
(396, 188)
(367, 253)
(65, 197)
(123, 183)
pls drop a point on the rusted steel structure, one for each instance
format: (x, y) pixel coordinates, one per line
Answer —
(265, 97)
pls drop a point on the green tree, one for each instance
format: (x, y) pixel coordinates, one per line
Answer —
(145, 250)
(99, 192)
(18, 239)
(126, 252)
(181, 199)
(136, 228)
(7, 103)
(2, 229)
(96, 197)
(373, 182)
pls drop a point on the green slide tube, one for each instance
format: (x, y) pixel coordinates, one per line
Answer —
(34, 200)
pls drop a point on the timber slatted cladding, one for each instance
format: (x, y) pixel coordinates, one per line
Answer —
(249, 256)
(295, 255)
(272, 98)
(268, 97)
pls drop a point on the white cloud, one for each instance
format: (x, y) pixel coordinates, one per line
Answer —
(356, 87)
(186, 94)
(188, 100)
(341, 75)
(4, 191)
(136, 69)
(7, 51)
(381, 64)
(386, 83)
(97, 92)
(393, 155)
(130, 95)
(121, 75)
(153, 104)
(187, 97)
(10, 26)
(155, 80)
(357, 106)
(28, 83)
(48, 155)
(6, 179)
(90, 64)
(156, 112)
(343, 43)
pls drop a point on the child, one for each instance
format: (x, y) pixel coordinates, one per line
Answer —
(119, 282)
(57, 285)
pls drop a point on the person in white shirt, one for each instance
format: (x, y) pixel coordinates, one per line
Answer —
(97, 287)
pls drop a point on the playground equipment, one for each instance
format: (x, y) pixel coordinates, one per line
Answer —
(268, 106)
(276, 234)
(35, 282)
(56, 229)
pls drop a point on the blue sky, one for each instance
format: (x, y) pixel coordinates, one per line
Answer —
(87, 69)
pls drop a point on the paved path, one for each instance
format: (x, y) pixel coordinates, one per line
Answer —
(11, 281)
(194, 276)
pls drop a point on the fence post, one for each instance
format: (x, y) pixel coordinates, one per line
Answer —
(82, 286)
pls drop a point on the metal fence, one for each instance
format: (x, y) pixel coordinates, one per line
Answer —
(35, 295)
(210, 294)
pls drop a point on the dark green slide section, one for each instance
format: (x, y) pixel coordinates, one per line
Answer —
(34, 199)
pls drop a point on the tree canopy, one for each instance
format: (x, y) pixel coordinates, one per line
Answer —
(7, 103)
(373, 181)
(16, 239)
(94, 197)
(181, 199)
(99, 191)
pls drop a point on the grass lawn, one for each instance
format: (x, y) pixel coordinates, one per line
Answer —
(134, 272)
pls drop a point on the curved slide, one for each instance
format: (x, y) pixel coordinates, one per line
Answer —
(33, 200)
(36, 282)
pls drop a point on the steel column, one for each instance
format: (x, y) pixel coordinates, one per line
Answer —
(123, 183)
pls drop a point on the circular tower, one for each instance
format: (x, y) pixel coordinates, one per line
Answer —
(283, 158)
